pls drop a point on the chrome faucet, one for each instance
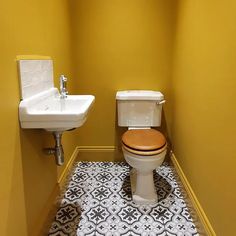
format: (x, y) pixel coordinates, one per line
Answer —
(63, 87)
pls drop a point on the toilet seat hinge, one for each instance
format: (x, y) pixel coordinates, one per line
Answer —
(130, 128)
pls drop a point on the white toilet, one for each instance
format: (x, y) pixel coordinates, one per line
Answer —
(144, 148)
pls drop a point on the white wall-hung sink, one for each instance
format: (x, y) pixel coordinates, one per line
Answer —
(43, 107)
(47, 110)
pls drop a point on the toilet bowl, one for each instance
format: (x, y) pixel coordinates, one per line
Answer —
(144, 150)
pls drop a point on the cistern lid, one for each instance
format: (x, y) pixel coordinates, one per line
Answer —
(139, 95)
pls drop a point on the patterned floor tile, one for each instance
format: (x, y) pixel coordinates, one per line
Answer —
(113, 226)
(66, 220)
(98, 202)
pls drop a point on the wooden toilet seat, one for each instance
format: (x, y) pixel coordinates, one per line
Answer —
(144, 142)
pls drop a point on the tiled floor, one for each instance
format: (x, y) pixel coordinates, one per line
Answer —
(98, 202)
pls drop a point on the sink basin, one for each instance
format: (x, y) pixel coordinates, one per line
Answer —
(48, 111)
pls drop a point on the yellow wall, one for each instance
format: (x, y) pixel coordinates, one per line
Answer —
(119, 45)
(27, 176)
(116, 45)
(204, 98)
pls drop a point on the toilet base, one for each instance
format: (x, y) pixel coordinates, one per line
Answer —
(140, 196)
(141, 176)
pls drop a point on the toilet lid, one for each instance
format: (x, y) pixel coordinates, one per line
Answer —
(144, 139)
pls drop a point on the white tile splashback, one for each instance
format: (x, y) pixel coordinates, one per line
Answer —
(35, 76)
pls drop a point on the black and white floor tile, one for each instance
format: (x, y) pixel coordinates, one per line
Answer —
(98, 202)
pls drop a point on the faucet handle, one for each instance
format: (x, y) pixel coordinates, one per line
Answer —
(63, 86)
(63, 78)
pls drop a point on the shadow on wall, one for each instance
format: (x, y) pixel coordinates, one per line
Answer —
(16, 205)
(39, 174)
(118, 154)
(164, 130)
